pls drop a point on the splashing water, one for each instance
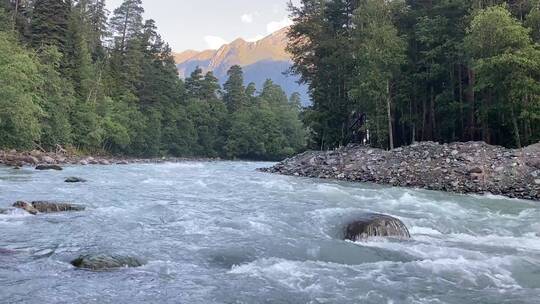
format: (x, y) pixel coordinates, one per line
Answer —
(224, 233)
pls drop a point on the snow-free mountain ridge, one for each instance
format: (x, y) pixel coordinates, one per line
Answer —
(260, 60)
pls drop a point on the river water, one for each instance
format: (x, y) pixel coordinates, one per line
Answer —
(224, 233)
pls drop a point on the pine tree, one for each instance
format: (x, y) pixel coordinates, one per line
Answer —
(127, 23)
(235, 92)
(50, 19)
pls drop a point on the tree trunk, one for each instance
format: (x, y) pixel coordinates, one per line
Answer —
(432, 114)
(15, 14)
(470, 100)
(389, 112)
(516, 127)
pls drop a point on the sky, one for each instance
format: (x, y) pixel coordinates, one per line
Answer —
(208, 24)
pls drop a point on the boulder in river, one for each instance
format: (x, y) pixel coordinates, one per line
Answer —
(74, 179)
(26, 206)
(49, 167)
(376, 225)
(46, 207)
(101, 262)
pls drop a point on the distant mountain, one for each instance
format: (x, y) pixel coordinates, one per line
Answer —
(260, 60)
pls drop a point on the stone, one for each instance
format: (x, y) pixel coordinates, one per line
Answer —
(75, 180)
(28, 207)
(31, 160)
(537, 181)
(104, 262)
(48, 160)
(36, 153)
(46, 207)
(49, 167)
(376, 225)
(104, 162)
(476, 170)
(53, 207)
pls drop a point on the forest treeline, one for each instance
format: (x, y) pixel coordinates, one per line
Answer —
(440, 70)
(73, 76)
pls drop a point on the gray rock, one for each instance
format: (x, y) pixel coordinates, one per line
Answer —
(75, 180)
(49, 167)
(376, 225)
(103, 262)
(48, 160)
(28, 207)
(47, 207)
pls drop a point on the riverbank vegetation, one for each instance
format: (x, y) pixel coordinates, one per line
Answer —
(436, 70)
(70, 76)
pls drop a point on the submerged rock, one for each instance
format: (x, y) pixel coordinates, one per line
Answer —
(49, 167)
(376, 225)
(4, 251)
(105, 262)
(75, 180)
(46, 207)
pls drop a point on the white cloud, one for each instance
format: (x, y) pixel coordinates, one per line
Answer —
(277, 25)
(247, 18)
(214, 42)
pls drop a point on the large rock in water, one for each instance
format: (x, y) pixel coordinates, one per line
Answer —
(46, 207)
(376, 225)
(105, 262)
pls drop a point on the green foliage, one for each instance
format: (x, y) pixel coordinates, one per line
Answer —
(380, 54)
(419, 70)
(19, 104)
(267, 129)
(50, 20)
(235, 93)
(507, 68)
(69, 90)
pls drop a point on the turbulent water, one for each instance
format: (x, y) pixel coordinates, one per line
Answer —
(224, 233)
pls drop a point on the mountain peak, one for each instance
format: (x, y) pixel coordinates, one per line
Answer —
(271, 47)
(262, 59)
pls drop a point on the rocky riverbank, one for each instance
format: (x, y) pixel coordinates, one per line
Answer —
(14, 158)
(473, 167)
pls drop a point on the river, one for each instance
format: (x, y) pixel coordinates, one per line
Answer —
(223, 233)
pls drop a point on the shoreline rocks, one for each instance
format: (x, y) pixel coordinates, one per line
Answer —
(52, 161)
(473, 167)
(48, 167)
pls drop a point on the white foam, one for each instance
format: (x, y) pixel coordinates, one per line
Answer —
(528, 242)
(289, 273)
(155, 181)
(183, 165)
(331, 189)
(274, 184)
(424, 230)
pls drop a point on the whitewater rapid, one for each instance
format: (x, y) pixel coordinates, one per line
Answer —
(221, 232)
